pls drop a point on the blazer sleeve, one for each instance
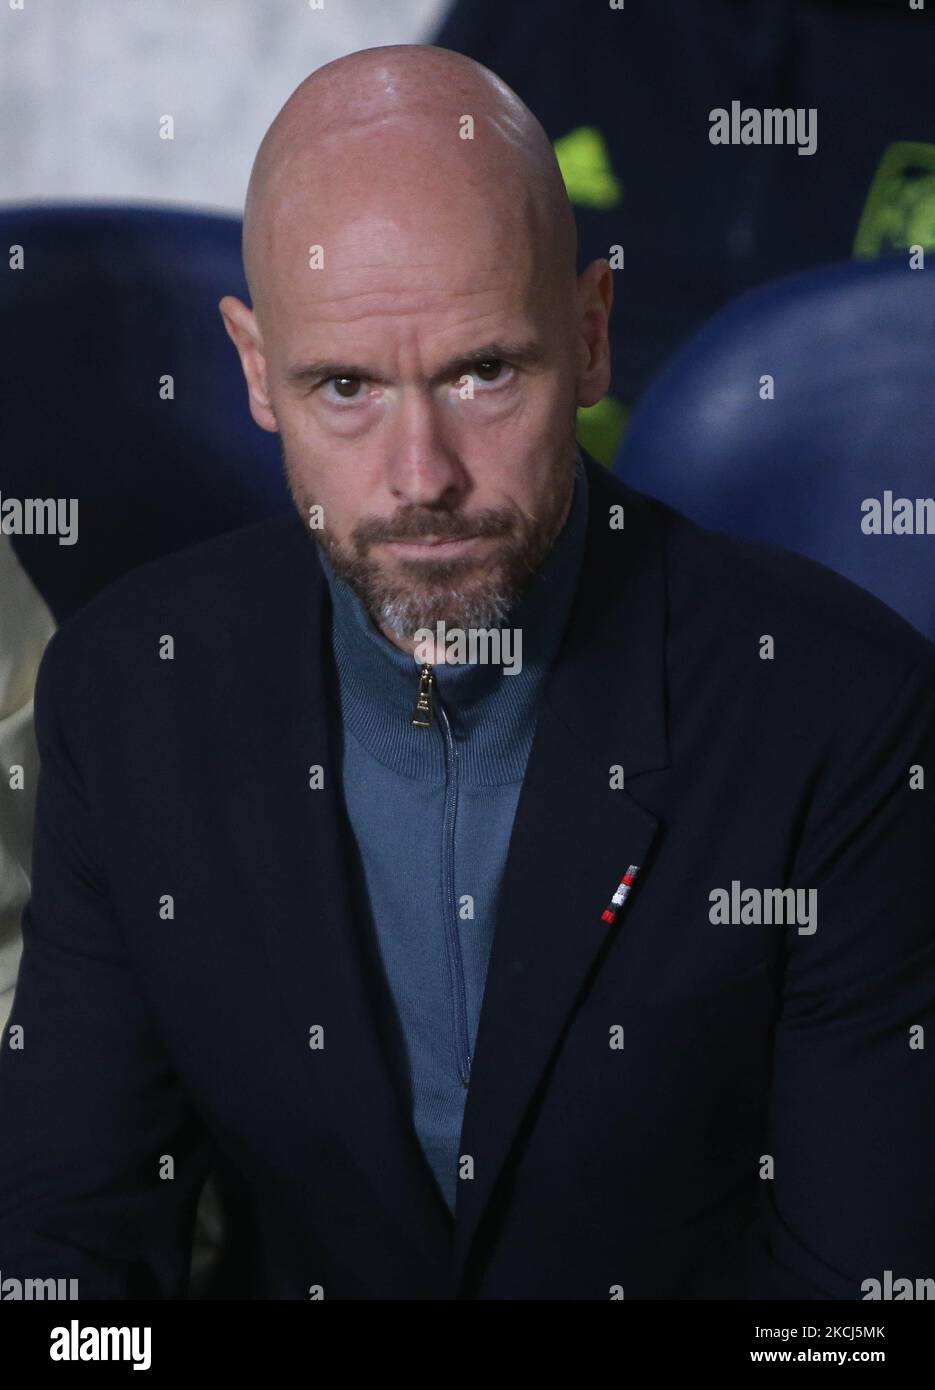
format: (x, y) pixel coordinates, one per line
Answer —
(852, 1100)
(92, 1118)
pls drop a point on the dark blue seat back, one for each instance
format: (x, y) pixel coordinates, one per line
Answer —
(110, 300)
(851, 350)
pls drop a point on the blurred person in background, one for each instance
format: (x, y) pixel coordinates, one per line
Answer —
(25, 627)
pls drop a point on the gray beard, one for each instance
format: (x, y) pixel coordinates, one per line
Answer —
(436, 591)
(405, 614)
(438, 594)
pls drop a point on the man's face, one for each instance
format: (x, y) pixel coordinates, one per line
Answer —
(424, 386)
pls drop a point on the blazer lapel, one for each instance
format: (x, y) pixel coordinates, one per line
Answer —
(573, 837)
(290, 843)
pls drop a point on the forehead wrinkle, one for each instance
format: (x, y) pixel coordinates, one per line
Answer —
(429, 279)
(415, 329)
(434, 304)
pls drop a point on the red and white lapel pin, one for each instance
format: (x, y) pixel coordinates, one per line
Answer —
(623, 892)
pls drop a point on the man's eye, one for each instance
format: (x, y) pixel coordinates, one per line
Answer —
(491, 370)
(347, 387)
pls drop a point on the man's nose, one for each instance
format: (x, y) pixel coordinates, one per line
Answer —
(422, 464)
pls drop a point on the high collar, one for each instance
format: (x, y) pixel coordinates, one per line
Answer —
(490, 712)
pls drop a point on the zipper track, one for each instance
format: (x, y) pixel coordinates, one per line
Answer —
(452, 938)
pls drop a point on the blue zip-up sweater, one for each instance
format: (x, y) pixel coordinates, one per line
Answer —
(431, 810)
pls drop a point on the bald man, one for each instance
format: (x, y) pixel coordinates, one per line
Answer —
(517, 891)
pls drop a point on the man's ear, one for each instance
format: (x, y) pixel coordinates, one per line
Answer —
(595, 297)
(244, 333)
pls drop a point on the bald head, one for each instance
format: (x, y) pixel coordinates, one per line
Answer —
(408, 133)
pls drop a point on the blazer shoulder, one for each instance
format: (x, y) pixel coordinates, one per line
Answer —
(740, 582)
(233, 584)
(227, 568)
(725, 594)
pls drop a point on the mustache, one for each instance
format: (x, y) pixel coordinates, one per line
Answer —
(437, 525)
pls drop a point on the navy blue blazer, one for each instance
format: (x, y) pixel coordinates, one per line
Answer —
(666, 1106)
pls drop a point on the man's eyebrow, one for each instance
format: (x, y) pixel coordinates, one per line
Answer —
(522, 354)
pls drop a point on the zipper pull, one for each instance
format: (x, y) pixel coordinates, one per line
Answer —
(422, 714)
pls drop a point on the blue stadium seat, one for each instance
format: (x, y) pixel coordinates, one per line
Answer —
(110, 301)
(851, 352)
